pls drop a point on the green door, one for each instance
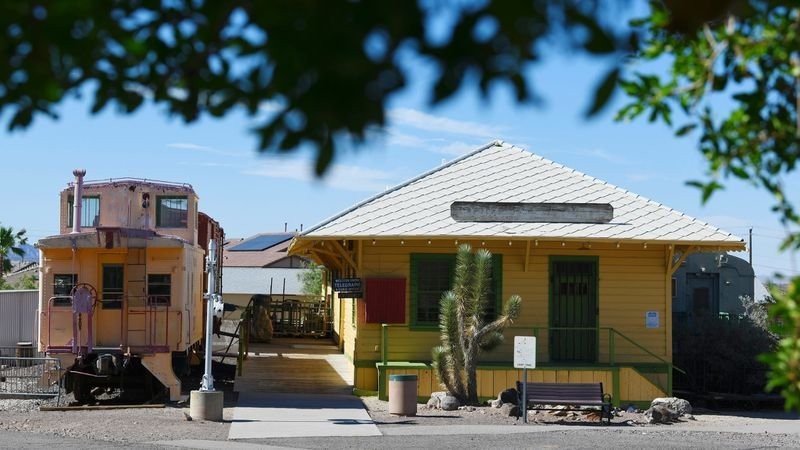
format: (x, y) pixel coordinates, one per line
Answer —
(573, 304)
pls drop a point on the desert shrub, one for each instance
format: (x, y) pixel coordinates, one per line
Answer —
(721, 354)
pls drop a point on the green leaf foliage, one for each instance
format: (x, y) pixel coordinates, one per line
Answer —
(311, 278)
(10, 242)
(734, 73)
(784, 362)
(313, 73)
(604, 91)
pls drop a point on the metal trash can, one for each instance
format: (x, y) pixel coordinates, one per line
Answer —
(403, 395)
(25, 350)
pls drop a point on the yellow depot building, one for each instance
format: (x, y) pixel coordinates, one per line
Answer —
(592, 262)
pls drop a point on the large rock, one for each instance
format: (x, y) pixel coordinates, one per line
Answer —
(443, 400)
(449, 403)
(508, 396)
(660, 414)
(436, 399)
(679, 405)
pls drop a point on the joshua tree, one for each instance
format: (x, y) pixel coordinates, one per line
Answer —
(464, 333)
(10, 242)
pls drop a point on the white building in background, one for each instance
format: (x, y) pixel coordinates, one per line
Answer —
(259, 265)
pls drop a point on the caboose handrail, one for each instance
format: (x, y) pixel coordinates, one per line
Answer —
(152, 312)
(134, 180)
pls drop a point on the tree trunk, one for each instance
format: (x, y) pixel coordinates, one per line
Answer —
(471, 367)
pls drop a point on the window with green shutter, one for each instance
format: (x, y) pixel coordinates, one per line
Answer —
(432, 276)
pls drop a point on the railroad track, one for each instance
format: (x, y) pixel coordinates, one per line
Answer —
(98, 407)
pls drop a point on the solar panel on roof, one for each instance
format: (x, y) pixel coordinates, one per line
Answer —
(259, 243)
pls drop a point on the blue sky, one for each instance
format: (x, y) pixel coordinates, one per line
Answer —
(250, 193)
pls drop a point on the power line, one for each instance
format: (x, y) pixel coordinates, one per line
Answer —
(783, 269)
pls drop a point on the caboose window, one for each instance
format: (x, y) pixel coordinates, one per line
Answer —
(62, 288)
(172, 212)
(90, 210)
(159, 289)
(113, 280)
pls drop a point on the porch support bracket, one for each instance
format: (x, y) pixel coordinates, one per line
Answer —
(345, 254)
(685, 251)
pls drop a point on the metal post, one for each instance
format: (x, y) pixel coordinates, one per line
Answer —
(77, 200)
(207, 383)
(611, 357)
(525, 395)
(384, 343)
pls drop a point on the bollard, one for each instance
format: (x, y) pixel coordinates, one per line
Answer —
(24, 350)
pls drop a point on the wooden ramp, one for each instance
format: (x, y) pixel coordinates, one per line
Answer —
(295, 365)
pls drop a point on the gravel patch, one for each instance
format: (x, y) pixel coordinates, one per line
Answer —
(117, 426)
(487, 415)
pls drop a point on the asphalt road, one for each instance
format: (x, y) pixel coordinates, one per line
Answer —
(574, 439)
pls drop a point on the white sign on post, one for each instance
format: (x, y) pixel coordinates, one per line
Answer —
(524, 352)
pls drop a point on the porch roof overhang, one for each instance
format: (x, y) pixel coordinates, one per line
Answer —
(301, 243)
(336, 255)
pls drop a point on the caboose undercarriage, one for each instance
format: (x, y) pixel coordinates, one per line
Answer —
(95, 373)
(133, 377)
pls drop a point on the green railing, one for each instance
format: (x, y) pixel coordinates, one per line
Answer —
(612, 335)
(612, 355)
(385, 336)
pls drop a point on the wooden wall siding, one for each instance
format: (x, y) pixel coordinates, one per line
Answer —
(633, 386)
(336, 317)
(631, 282)
(348, 331)
(366, 378)
(183, 264)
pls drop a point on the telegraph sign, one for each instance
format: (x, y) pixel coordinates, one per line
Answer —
(347, 285)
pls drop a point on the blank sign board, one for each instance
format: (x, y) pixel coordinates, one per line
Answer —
(531, 212)
(524, 352)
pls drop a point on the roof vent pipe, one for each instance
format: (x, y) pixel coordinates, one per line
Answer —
(77, 200)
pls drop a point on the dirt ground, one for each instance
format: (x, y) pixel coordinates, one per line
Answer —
(172, 422)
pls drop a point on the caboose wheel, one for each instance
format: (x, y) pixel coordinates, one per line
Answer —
(81, 390)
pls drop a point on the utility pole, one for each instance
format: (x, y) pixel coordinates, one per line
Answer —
(206, 403)
(750, 247)
(207, 383)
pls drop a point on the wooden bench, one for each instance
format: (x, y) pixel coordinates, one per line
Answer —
(567, 394)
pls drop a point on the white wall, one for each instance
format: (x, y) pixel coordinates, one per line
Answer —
(256, 280)
(18, 317)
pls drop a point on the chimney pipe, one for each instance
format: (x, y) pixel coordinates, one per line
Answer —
(77, 200)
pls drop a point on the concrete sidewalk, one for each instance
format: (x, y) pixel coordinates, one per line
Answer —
(269, 415)
(297, 388)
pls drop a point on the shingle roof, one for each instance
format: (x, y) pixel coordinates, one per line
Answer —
(500, 172)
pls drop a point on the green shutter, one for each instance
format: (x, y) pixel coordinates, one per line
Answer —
(450, 258)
